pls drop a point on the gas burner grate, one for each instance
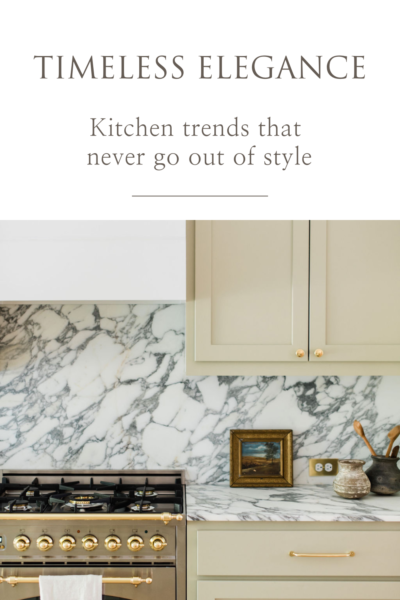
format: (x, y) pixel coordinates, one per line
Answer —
(46, 494)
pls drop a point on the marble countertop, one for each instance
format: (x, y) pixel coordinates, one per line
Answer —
(300, 503)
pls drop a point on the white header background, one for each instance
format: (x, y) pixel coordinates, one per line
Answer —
(350, 127)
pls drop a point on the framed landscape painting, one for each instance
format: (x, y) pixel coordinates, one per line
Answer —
(261, 458)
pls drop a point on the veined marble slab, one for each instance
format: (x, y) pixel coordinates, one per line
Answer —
(300, 503)
(104, 386)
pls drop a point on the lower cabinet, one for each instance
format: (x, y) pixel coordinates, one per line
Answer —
(296, 590)
(325, 561)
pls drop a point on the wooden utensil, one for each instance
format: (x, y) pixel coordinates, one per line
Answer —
(358, 428)
(392, 435)
(395, 452)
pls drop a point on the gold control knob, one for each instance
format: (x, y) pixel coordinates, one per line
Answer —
(45, 543)
(300, 353)
(67, 543)
(318, 353)
(135, 543)
(158, 542)
(112, 543)
(21, 543)
(90, 542)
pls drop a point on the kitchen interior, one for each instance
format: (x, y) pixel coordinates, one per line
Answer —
(147, 368)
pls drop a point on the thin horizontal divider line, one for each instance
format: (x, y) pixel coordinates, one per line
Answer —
(196, 196)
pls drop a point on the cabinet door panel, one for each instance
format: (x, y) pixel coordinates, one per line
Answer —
(355, 290)
(298, 590)
(251, 290)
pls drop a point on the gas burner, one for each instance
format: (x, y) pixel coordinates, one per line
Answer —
(148, 492)
(83, 503)
(20, 506)
(144, 506)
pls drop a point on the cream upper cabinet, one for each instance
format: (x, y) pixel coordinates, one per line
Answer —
(293, 298)
(251, 281)
(355, 290)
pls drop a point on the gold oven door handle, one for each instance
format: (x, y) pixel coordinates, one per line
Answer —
(322, 555)
(13, 581)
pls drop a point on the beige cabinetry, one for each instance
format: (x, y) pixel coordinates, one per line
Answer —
(251, 283)
(293, 297)
(355, 290)
(293, 561)
(297, 590)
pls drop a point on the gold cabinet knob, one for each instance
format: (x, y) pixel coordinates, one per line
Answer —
(67, 543)
(90, 542)
(112, 543)
(318, 353)
(21, 543)
(158, 542)
(135, 543)
(300, 353)
(44, 543)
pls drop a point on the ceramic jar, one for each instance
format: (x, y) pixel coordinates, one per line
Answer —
(384, 475)
(351, 481)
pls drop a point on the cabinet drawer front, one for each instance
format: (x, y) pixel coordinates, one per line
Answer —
(267, 554)
(298, 590)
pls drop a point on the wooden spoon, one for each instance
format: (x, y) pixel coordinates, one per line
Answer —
(358, 428)
(395, 452)
(392, 435)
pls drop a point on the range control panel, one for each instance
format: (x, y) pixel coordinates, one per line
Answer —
(77, 539)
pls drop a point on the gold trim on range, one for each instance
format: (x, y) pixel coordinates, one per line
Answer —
(45, 543)
(165, 517)
(67, 543)
(90, 542)
(21, 543)
(13, 581)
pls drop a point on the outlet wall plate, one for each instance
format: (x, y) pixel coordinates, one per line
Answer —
(323, 467)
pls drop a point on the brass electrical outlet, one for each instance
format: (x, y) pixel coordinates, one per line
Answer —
(323, 467)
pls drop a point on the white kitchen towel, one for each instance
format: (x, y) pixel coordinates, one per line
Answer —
(70, 587)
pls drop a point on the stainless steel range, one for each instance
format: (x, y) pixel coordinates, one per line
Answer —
(129, 527)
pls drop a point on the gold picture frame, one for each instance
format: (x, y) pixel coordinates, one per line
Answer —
(261, 458)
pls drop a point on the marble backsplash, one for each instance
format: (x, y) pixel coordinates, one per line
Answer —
(104, 386)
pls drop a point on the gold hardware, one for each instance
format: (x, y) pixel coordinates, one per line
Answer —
(21, 543)
(158, 542)
(165, 517)
(13, 581)
(318, 353)
(90, 542)
(67, 543)
(44, 543)
(112, 543)
(322, 555)
(300, 353)
(135, 543)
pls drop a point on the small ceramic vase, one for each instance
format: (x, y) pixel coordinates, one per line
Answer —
(351, 482)
(384, 475)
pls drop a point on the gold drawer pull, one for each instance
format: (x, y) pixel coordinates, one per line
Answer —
(322, 555)
(13, 581)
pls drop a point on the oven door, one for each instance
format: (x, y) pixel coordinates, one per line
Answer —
(162, 586)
